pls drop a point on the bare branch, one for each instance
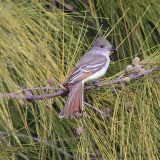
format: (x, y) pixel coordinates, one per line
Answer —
(95, 108)
(46, 96)
(47, 88)
(32, 97)
(26, 94)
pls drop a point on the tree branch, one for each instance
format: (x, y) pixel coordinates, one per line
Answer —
(26, 94)
(121, 79)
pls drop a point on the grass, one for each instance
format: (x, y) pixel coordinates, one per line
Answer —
(37, 45)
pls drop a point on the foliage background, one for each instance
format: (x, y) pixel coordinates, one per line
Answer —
(42, 40)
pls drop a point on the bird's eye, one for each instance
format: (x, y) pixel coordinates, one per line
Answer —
(101, 46)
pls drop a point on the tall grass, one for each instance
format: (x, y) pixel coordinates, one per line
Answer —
(37, 45)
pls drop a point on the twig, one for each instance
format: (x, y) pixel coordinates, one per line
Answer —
(46, 96)
(115, 91)
(41, 88)
(95, 108)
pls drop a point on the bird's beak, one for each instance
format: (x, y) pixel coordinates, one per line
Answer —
(112, 50)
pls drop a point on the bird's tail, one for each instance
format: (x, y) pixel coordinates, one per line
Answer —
(74, 104)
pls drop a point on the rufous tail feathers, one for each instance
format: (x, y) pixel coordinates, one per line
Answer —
(74, 104)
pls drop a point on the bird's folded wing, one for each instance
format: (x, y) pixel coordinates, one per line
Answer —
(86, 68)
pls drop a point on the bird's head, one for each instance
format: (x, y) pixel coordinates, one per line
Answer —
(103, 45)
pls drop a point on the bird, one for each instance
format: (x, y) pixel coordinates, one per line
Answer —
(93, 65)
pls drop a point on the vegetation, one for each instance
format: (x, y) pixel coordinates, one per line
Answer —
(41, 41)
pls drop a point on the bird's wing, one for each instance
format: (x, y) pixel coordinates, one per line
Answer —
(86, 67)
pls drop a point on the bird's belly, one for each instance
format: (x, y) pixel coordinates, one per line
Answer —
(98, 74)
